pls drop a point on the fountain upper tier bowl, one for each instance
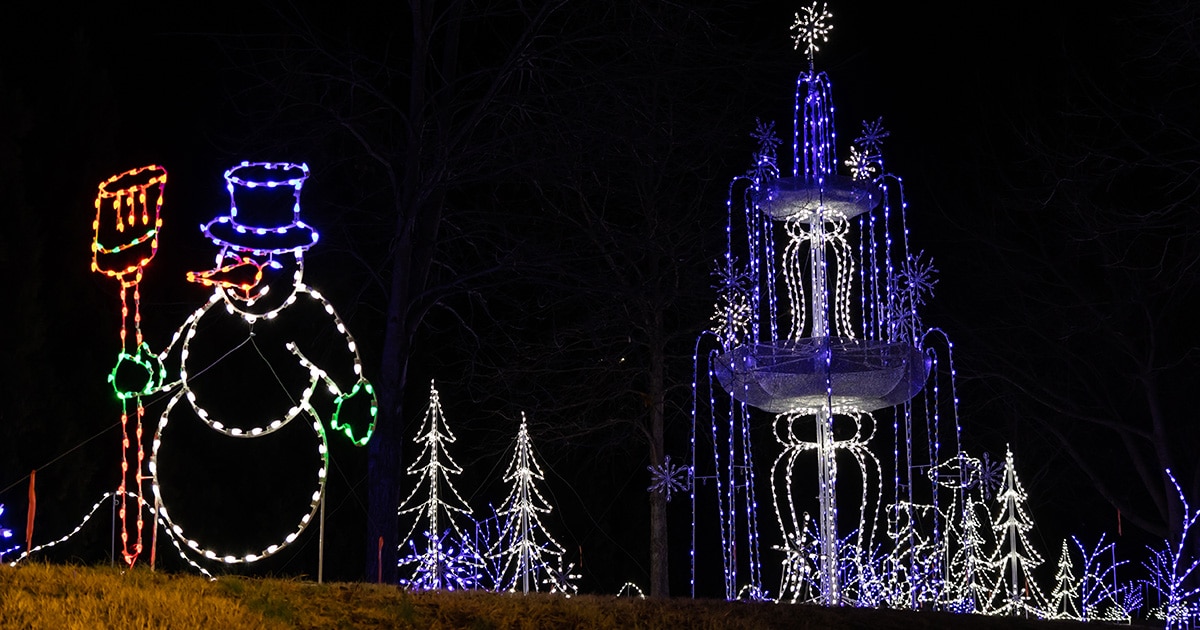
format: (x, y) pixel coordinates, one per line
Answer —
(835, 196)
(805, 375)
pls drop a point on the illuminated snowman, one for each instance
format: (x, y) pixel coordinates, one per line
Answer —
(256, 357)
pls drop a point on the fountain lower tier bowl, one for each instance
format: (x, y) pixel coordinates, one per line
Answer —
(834, 197)
(805, 375)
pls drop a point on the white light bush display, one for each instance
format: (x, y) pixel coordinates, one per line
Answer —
(440, 563)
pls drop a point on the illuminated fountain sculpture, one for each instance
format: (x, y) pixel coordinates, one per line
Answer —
(817, 324)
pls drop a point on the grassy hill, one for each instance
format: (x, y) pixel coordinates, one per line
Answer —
(73, 597)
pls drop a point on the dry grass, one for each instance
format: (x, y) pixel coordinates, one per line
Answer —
(70, 597)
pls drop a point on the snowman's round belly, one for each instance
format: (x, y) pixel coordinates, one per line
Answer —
(255, 383)
(236, 498)
(254, 404)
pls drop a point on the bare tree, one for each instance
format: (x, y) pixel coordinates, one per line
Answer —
(467, 119)
(1099, 239)
(411, 104)
(628, 229)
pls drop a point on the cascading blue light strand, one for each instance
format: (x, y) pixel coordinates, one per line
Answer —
(726, 552)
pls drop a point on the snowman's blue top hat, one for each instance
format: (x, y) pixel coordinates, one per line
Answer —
(264, 210)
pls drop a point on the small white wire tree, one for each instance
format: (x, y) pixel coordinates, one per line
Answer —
(1014, 590)
(440, 552)
(529, 556)
(1065, 604)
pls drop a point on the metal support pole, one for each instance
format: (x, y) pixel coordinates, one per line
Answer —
(112, 550)
(321, 543)
(826, 462)
(154, 535)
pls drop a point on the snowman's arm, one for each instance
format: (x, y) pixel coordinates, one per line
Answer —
(356, 400)
(159, 375)
(171, 359)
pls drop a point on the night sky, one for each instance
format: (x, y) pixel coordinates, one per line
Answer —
(964, 92)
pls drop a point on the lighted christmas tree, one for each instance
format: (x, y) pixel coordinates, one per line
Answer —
(529, 556)
(440, 554)
(1014, 591)
(1065, 596)
(968, 585)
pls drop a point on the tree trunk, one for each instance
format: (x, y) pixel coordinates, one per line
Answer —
(385, 473)
(383, 497)
(659, 577)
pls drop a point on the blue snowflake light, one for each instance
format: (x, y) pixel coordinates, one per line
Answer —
(872, 136)
(991, 475)
(764, 132)
(667, 478)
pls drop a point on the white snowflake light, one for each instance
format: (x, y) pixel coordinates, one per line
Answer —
(731, 320)
(991, 475)
(812, 26)
(860, 164)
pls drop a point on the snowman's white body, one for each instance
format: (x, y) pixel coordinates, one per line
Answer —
(300, 410)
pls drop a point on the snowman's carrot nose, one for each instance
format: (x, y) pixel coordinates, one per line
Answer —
(244, 274)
